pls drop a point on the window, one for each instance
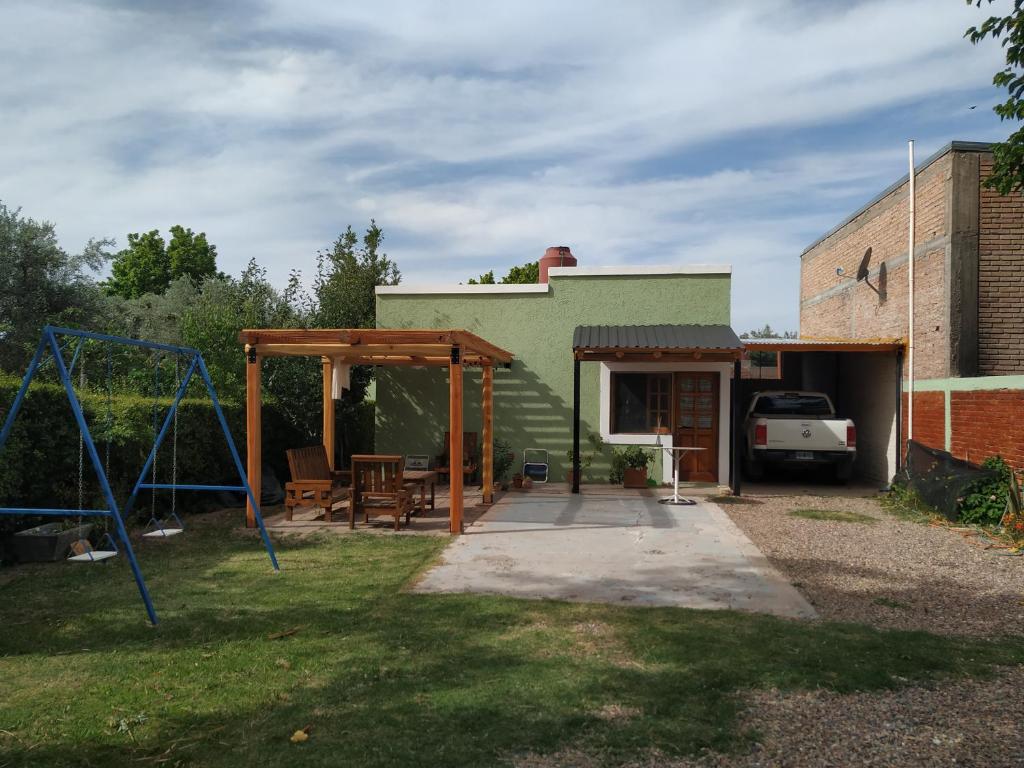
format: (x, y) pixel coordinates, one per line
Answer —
(641, 402)
(761, 364)
(792, 404)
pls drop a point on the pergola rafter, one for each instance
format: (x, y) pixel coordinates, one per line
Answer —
(433, 347)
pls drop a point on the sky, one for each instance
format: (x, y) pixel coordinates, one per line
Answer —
(477, 134)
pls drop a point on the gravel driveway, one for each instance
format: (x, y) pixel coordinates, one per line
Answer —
(890, 573)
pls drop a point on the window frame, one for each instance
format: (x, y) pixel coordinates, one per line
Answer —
(666, 376)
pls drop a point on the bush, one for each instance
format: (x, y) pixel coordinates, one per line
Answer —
(503, 458)
(39, 464)
(984, 502)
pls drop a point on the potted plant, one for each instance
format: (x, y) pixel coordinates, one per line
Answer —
(586, 458)
(632, 461)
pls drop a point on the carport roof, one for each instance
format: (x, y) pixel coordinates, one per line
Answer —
(824, 345)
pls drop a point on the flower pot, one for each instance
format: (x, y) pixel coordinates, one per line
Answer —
(634, 478)
(517, 481)
(45, 543)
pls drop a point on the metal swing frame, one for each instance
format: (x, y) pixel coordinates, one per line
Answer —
(50, 344)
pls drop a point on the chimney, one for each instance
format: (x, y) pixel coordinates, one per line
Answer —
(555, 256)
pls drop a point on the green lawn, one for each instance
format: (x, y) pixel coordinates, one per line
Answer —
(382, 677)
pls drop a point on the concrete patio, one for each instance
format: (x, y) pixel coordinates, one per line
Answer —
(613, 546)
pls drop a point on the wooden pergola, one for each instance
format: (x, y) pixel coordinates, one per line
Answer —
(440, 348)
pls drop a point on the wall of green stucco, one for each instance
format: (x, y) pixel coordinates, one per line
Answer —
(533, 400)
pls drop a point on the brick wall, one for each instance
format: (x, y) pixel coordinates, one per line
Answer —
(929, 420)
(838, 308)
(983, 423)
(1000, 281)
(988, 422)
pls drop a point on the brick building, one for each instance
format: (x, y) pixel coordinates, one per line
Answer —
(969, 298)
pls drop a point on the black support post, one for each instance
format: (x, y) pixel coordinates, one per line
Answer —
(575, 425)
(736, 427)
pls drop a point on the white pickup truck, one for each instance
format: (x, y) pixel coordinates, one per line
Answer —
(797, 429)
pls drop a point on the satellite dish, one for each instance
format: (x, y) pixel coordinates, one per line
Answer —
(862, 270)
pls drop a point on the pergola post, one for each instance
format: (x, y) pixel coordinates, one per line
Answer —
(253, 429)
(328, 427)
(487, 450)
(575, 424)
(455, 439)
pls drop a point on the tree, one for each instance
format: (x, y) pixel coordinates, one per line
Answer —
(42, 284)
(140, 268)
(525, 274)
(766, 359)
(190, 255)
(1008, 156)
(767, 333)
(347, 274)
(148, 265)
(487, 278)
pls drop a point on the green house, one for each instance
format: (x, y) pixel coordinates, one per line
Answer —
(639, 392)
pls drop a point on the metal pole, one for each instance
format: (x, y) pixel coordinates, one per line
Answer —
(20, 397)
(575, 424)
(735, 442)
(160, 438)
(911, 194)
(101, 475)
(237, 459)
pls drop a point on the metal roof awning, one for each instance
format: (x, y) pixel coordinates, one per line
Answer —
(656, 342)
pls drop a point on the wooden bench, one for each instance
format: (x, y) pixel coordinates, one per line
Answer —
(378, 489)
(313, 481)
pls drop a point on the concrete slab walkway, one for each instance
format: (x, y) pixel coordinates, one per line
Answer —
(623, 549)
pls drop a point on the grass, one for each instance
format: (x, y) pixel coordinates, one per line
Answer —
(381, 677)
(734, 500)
(906, 504)
(834, 515)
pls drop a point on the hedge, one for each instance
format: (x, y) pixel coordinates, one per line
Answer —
(39, 464)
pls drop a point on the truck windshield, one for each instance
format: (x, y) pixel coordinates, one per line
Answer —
(786, 404)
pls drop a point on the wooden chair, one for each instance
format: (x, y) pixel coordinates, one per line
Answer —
(469, 456)
(314, 481)
(377, 489)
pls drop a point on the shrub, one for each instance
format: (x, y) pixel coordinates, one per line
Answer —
(39, 464)
(984, 502)
(503, 458)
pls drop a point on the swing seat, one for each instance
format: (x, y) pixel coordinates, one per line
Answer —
(95, 556)
(162, 533)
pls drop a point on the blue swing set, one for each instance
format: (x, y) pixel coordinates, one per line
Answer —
(50, 344)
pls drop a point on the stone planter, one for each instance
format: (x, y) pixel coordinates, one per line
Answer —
(634, 478)
(45, 543)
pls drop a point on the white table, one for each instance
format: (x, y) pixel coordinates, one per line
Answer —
(678, 451)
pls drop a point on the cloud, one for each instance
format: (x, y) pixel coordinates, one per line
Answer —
(477, 134)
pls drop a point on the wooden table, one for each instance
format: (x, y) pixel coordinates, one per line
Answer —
(421, 477)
